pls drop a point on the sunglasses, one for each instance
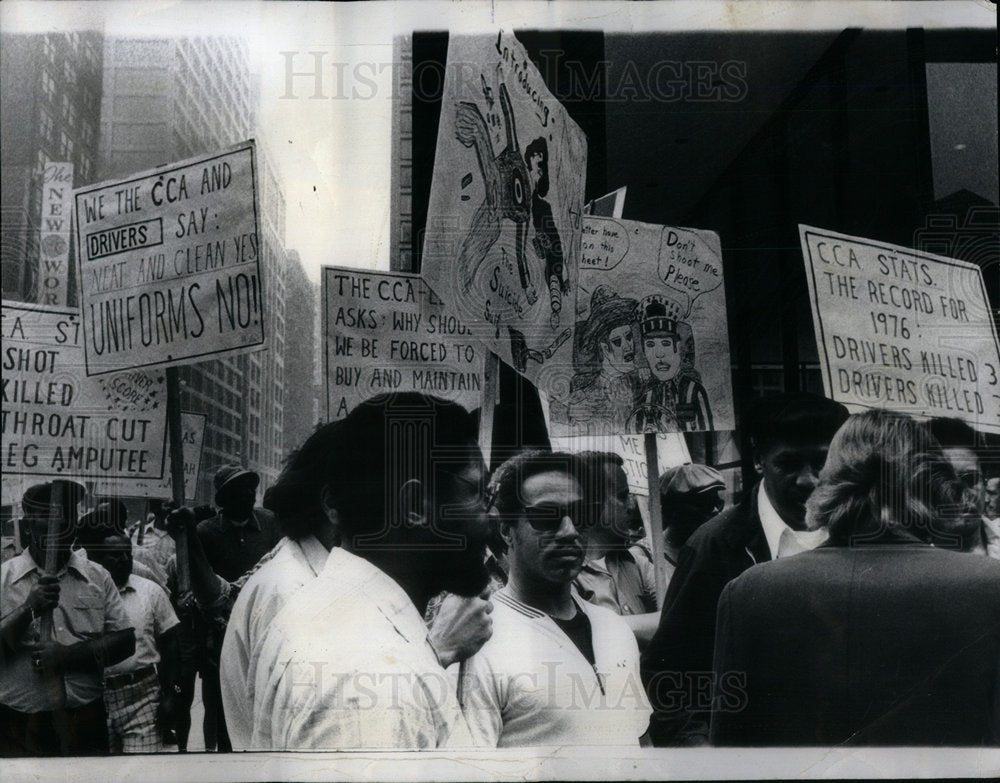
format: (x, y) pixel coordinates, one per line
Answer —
(548, 517)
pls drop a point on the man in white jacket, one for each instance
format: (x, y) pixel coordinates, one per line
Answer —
(557, 671)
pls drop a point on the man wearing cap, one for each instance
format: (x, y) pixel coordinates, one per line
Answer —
(139, 691)
(605, 381)
(51, 688)
(673, 398)
(233, 540)
(689, 497)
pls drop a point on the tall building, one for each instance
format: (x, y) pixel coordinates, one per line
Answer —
(167, 99)
(301, 311)
(49, 112)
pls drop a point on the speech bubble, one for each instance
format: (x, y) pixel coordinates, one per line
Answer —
(688, 264)
(605, 243)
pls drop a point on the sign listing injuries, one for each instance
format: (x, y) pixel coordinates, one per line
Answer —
(170, 263)
(902, 329)
(388, 332)
(192, 437)
(56, 422)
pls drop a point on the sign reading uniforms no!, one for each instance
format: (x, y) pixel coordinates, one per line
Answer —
(902, 329)
(170, 263)
(388, 332)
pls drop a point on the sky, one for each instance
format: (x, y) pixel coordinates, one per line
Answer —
(333, 152)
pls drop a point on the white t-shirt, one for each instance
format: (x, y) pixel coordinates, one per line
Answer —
(150, 612)
(294, 564)
(531, 685)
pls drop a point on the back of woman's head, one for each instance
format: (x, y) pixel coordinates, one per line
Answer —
(886, 478)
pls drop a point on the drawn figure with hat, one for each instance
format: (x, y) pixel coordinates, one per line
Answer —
(606, 381)
(673, 398)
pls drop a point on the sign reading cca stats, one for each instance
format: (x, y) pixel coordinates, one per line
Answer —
(170, 263)
(902, 329)
(56, 422)
(388, 332)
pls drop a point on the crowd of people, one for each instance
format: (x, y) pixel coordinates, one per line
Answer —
(393, 594)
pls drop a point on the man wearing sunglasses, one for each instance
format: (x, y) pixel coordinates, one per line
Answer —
(557, 670)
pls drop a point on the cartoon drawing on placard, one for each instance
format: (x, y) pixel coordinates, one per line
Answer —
(647, 295)
(672, 398)
(605, 380)
(502, 242)
(546, 242)
(506, 181)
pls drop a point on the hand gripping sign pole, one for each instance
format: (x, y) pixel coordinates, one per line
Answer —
(47, 630)
(177, 474)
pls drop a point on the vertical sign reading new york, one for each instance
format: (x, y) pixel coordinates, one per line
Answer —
(503, 224)
(170, 263)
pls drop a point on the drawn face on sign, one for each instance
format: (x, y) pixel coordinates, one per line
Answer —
(663, 354)
(618, 351)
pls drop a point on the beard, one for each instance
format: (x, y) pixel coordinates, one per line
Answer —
(462, 573)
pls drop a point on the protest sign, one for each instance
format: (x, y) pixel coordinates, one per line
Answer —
(651, 342)
(57, 209)
(170, 263)
(193, 435)
(902, 329)
(388, 332)
(502, 243)
(58, 423)
(671, 450)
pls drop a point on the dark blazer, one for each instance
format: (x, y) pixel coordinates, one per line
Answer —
(866, 645)
(231, 550)
(677, 663)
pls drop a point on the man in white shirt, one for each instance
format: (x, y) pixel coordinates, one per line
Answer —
(558, 670)
(347, 663)
(790, 434)
(139, 691)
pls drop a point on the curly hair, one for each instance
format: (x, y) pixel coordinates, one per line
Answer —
(887, 477)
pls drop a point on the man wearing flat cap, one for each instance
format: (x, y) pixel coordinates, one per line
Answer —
(233, 540)
(690, 495)
(59, 628)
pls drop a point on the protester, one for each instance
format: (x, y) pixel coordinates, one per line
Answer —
(93, 527)
(233, 540)
(50, 688)
(991, 517)
(557, 671)
(790, 434)
(877, 637)
(156, 547)
(960, 445)
(348, 663)
(614, 574)
(690, 495)
(139, 692)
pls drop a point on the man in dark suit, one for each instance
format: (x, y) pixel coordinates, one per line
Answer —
(790, 434)
(877, 637)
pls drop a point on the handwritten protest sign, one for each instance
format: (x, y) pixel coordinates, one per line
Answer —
(651, 343)
(389, 332)
(56, 422)
(192, 435)
(671, 450)
(170, 264)
(57, 210)
(902, 329)
(503, 223)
